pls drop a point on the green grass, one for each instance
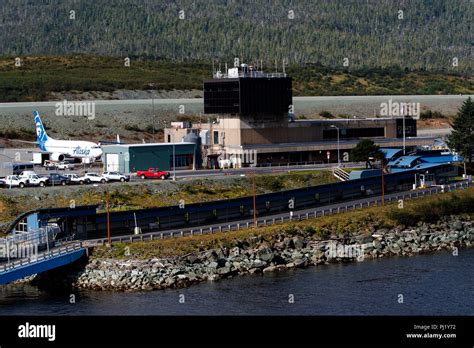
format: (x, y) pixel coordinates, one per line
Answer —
(428, 209)
(39, 76)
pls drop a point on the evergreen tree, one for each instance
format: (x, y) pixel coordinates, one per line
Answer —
(365, 151)
(462, 137)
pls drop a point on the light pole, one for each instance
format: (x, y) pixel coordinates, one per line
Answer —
(174, 153)
(107, 202)
(174, 160)
(254, 202)
(404, 137)
(338, 148)
(402, 111)
(153, 120)
(383, 186)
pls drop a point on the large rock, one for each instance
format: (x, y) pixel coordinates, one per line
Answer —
(224, 270)
(296, 255)
(457, 225)
(265, 254)
(395, 248)
(222, 253)
(278, 260)
(258, 264)
(269, 269)
(221, 262)
(212, 265)
(210, 256)
(193, 259)
(298, 242)
(365, 239)
(377, 244)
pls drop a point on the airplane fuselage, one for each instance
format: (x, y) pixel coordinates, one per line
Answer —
(73, 148)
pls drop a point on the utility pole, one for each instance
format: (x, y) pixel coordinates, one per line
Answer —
(404, 134)
(403, 122)
(254, 202)
(174, 161)
(153, 121)
(338, 147)
(107, 200)
(383, 186)
(174, 152)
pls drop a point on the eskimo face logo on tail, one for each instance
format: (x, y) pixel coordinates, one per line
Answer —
(39, 131)
(41, 136)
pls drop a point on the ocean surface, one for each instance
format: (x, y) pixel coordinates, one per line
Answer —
(435, 284)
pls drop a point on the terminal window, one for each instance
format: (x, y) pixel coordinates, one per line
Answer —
(354, 133)
(182, 161)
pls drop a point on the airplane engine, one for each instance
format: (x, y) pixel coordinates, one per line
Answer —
(57, 157)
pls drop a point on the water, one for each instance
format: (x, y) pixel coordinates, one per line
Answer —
(436, 284)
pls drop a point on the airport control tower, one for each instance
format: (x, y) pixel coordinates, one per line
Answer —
(252, 106)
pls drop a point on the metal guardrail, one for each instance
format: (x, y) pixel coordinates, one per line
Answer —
(41, 257)
(323, 211)
(323, 164)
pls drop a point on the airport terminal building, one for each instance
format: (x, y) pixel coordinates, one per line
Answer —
(128, 158)
(252, 117)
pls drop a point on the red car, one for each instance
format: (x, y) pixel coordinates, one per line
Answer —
(153, 173)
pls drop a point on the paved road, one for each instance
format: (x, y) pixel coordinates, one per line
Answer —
(258, 170)
(320, 99)
(434, 132)
(182, 175)
(442, 103)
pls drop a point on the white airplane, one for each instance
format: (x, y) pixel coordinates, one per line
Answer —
(62, 149)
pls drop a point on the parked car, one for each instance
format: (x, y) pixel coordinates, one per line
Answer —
(77, 179)
(49, 165)
(25, 173)
(116, 176)
(63, 166)
(58, 179)
(33, 179)
(94, 177)
(13, 181)
(153, 173)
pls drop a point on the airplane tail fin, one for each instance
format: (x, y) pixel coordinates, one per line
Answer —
(41, 136)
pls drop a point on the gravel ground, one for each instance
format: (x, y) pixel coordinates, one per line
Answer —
(131, 117)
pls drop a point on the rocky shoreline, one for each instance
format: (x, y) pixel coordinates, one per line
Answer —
(288, 250)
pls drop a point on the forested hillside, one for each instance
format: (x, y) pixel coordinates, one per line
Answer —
(411, 35)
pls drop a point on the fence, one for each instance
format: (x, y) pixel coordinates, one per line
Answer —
(41, 257)
(272, 220)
